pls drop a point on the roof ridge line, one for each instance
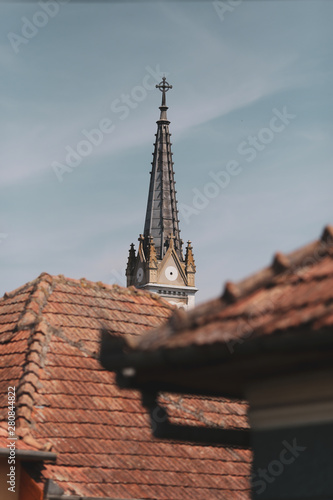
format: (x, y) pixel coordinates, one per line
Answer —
(282, 263)
(36, 301)
(97, 285)
(40, 334)
(60, 278)
(12, 293)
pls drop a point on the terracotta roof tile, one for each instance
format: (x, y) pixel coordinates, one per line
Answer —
(49, 343)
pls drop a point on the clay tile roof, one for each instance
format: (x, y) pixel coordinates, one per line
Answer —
(293, 294)
(68, 404)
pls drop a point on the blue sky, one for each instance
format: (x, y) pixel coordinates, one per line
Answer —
(233, 69)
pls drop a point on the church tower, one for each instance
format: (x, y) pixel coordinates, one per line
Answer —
(159, 265)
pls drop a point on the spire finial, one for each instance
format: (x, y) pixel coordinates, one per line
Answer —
(163, 86)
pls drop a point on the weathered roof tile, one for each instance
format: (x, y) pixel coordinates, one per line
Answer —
(101, 435)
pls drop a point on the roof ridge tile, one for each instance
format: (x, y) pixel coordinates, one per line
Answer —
(291, 262)
(31, 319)
(83, 282)
(24, 287)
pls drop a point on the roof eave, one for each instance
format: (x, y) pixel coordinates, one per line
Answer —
(221, 369)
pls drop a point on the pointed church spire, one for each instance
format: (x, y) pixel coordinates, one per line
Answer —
(162, 214)
(159, 265)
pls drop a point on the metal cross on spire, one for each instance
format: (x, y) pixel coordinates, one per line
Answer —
(163, 87)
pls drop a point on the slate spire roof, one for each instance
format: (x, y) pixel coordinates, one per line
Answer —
(162, 214)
